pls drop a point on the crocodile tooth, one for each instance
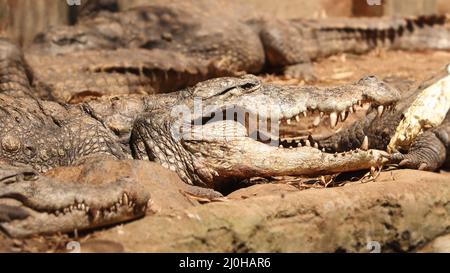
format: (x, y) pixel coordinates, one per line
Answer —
(354, 108)
(344, 115)
(351, 110)
(305, 114)
(297, 118)
(323, 150)
(281, 146)
(288, 121)
(87, 209)
(307, 143)
(380, 110)
(322, 114)
(365, 144)
(125, 199)
(316, 145)
(316, 121)
(333, 120)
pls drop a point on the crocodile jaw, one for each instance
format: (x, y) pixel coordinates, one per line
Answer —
(62, 206)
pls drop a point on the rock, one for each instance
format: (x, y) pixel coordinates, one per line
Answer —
(100, 246)
(262, 190)
(439, 245)
(403, 210)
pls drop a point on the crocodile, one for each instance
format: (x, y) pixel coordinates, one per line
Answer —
(36, 204)
(429, 151)
(46, 134)
(211, 151)
(207, 39)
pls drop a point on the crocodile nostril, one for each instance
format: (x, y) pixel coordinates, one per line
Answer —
(29, 150)
(30, 176)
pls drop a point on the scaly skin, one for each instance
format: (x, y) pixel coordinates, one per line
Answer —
(78, 76)
(15, 75)
(213, 39)
(35, 204)
(429, 151)
(232, 148)
(45, 134)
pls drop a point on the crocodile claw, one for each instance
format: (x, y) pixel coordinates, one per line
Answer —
(427, 153)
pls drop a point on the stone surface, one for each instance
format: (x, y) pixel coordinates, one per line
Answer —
(401, 211)
(439, 245)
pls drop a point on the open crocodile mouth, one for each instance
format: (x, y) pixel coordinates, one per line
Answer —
(125, 203)
(298, 129)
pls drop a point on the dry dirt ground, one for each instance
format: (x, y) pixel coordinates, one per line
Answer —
(403, 210)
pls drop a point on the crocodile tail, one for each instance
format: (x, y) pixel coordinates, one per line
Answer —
(15, 74)
(358, 35)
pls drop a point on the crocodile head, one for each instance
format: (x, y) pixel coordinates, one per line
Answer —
(234, 128)
(47, 205)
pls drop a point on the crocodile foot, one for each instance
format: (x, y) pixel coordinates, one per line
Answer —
(427, 153)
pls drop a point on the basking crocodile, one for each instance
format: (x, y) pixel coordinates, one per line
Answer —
(35, 204)
(212, 150)
(429, 150)
(166, 47)
(46, 134)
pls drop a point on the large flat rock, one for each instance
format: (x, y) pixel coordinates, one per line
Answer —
(401, 211)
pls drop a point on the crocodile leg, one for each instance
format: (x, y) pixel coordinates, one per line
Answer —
(429, 151)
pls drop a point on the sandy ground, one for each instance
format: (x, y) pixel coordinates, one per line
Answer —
(414, 66)
(345, 68)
